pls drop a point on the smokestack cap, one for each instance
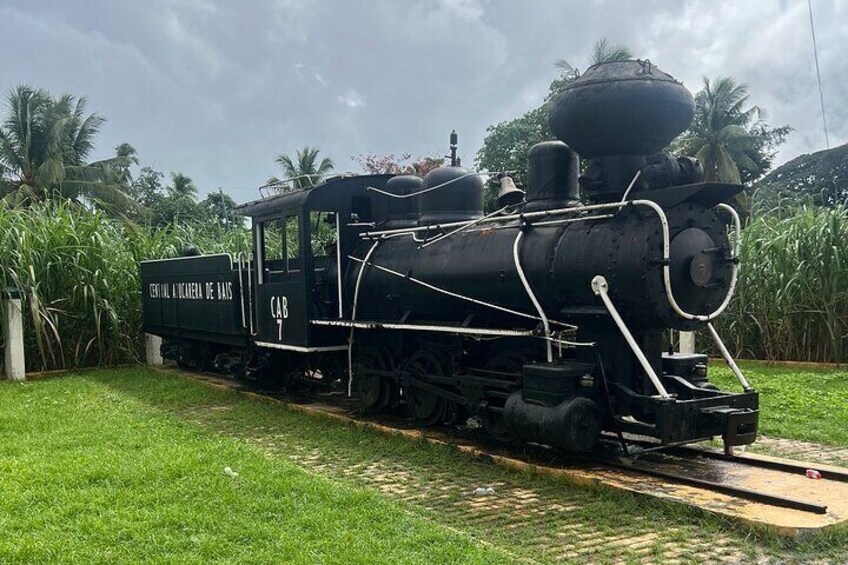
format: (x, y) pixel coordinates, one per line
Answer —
(621, 108)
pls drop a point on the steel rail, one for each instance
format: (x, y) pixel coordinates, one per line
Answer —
(682, 451)
(734, 491)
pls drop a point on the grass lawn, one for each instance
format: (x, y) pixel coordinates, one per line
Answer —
(809, 404)
(126, 465)
(89, 474)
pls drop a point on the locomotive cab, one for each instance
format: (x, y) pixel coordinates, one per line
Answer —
(301, 243)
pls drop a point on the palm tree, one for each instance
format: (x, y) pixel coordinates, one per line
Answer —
(182, 187)
(44, 149)
(128, 155)
(602, 52)
(725, 136)
(605, 52)
(182, 197)
(305, 170)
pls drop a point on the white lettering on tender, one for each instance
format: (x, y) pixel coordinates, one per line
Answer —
(207, 290)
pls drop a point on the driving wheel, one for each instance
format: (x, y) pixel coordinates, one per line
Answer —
(425, 405)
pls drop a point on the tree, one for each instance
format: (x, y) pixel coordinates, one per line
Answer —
(507, 143)
(304, 170)
(180, 203)
(820, 178)
(398, 165)
(44, 148)
(147, 189)
(728, 137)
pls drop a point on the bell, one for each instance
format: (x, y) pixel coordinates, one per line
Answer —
(509, 194)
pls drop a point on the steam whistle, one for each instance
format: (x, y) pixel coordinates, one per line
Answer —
(453, 158)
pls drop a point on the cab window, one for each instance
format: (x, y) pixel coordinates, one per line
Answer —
(273, 252)
(293, 258)
(323, 232)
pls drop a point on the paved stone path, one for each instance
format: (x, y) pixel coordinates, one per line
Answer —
(803, 450)
(532, 519)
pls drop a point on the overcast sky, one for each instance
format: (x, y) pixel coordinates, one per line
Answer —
(217, 89)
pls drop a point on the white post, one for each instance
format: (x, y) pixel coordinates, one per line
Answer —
(152, 345)
(13, 328)
(687, 342)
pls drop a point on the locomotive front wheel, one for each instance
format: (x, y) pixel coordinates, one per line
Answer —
(375, 391)
(425, 406)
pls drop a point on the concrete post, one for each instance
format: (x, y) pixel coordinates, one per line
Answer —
(153, 356)
(687, 342)
(13, 329)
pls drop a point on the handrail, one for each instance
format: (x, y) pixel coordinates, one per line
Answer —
(601, 288)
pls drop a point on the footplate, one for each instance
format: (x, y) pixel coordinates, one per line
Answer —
(711, 413)
(740, 425)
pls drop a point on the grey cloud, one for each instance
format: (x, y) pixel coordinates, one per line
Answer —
(217, 89)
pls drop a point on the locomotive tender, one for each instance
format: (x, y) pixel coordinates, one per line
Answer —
(543, 321)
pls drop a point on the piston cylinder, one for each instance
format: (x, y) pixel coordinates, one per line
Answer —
(573, 425)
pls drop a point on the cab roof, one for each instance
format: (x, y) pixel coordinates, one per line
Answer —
(333, 194)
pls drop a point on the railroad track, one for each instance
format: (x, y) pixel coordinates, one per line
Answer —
(691, 466)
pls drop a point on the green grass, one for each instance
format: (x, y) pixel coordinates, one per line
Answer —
(127, 465)
(805, 403)
(90, 474)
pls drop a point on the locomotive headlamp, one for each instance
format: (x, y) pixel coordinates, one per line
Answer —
(701, 269)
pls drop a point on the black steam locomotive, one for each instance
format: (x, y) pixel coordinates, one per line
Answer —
(542, 321)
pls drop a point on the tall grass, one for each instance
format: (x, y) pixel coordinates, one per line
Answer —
(792, 298)
(79, 270)
(80, 275)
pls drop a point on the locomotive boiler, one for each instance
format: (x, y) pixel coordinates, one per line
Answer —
(545, 320)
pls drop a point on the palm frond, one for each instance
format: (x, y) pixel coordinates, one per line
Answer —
(605, 52)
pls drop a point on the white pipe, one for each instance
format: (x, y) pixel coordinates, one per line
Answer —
(461, 228)
(730, 362)
(250, 294)
(516, 247)
(601, 288)
(631, 185)
(370, 325)
(455, 295)
(420, 192)
(667, 269)
(353, 317)
(508, 217)
(240, 261)
(492, 332)
(737, 249)
(339, 263)
(567, 220)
